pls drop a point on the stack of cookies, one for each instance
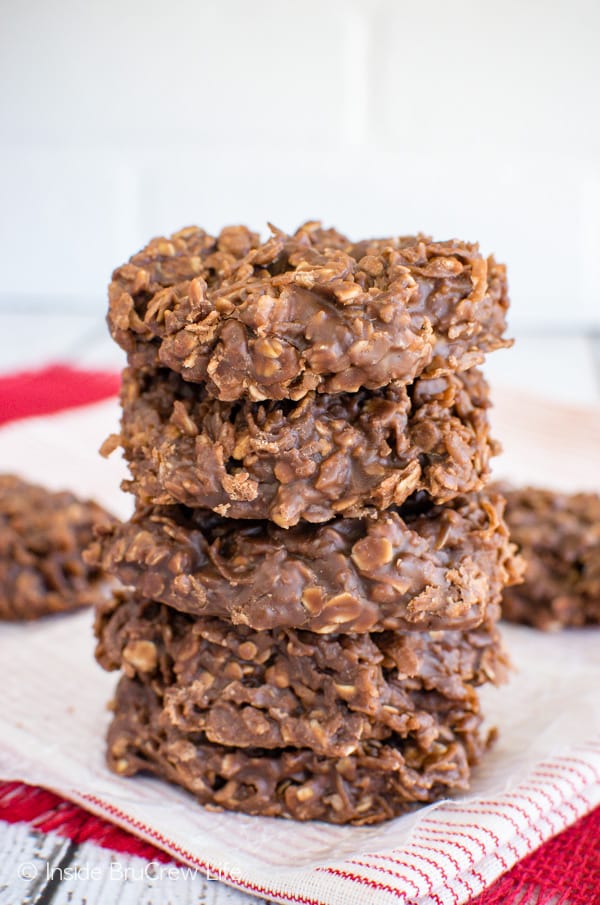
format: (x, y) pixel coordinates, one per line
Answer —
(313, 571)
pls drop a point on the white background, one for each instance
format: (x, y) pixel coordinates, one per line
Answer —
(122, 120)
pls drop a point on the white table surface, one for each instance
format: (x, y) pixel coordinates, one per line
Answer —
(565, 368)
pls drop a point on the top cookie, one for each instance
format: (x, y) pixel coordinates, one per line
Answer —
(308, 311)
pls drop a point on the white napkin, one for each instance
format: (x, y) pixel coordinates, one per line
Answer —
(543, 773)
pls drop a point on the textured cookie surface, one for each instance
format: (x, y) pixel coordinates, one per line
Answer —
(307, 311)
(42, 537)
(329, 693)
(432, 568)
(377, 781)
(313, 459)
(558, 535)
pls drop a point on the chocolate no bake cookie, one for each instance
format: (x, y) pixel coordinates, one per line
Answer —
(558, 535)
(285, 687)
(379, 780)
(306, 311)
(314, 570)
(426, 567)
(313, 459)
(42, 537)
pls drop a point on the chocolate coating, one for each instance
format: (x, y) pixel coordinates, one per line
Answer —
(311, 459)
(558, 535)
(432, 569)
(245, 689)
(306, 311)
(376, 782)
(42, 537)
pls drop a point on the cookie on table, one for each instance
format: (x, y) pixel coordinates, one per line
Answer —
(420, 567)
(308, 311)
(313, 459)
(558, 535)
(42, 538)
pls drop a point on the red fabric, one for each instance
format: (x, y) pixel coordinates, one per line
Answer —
(53, 389)
(563, 871)
(47, 812)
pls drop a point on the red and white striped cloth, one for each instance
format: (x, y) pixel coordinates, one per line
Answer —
(543, 776)
(563, 871)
